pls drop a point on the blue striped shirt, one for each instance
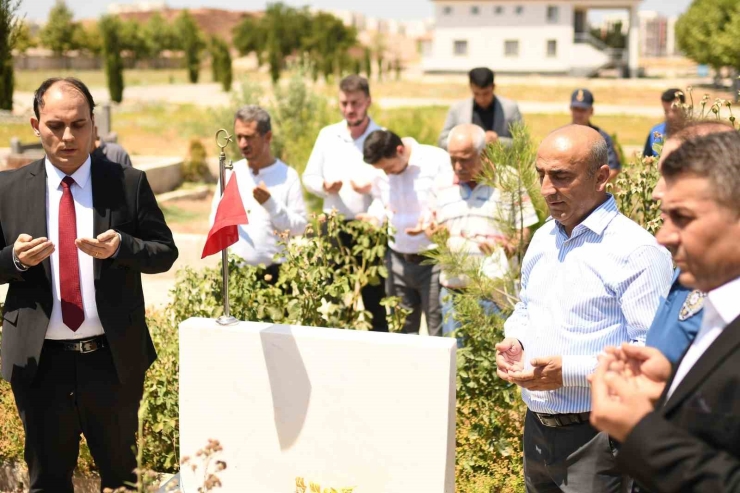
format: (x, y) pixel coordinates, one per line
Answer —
(599, 287)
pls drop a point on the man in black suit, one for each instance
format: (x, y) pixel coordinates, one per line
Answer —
(689, 440)
(75, 236)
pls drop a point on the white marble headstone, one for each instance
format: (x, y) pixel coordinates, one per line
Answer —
(340, 408)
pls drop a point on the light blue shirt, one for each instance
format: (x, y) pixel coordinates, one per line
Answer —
(599, 287)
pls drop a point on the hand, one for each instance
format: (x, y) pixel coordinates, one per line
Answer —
(102, 247)
(509, 357)
(645, 368)
(332, 186)
(261, 194)
(546, 374)
(368, 218)
(491, 136)
(488, 246)
(361, 189)
(32, 251)
(616, 406)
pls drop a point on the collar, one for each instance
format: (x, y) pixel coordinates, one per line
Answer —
(345, 135)
(489, 107)
(262, 171)
(598, 220)
(54, 175)
(413, 145)
(724, 300)
(594, 127)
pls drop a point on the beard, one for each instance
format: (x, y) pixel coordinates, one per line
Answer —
(358, 121)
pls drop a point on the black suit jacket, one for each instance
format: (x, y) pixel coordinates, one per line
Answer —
(123, 201)
(691, 443)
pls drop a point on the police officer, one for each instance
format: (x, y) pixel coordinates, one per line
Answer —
(581, 110)
(679, 315)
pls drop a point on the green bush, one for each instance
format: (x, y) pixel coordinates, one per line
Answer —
(195, 167)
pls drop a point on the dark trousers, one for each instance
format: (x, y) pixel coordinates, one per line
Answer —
(417, 284)
(570, 459)
(75, 393)
(371, 295)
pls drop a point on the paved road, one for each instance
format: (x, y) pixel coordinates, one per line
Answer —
(209, 95)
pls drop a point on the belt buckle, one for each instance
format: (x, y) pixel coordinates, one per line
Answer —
(88, 346)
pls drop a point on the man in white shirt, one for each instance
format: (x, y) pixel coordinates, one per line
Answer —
(270, 191)
(477, 217)
(404, 199)
(336, 173)
(680, 430)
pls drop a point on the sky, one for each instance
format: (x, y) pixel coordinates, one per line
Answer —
(37, 10)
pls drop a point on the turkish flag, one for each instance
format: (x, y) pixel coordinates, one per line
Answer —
(229, 213)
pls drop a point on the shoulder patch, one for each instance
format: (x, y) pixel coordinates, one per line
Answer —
(693, 305)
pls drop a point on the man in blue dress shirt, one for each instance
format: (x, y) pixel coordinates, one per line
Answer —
(590, 278)
(679, 316)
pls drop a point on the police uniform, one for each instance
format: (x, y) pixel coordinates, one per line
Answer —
(677, 320)
(584, 99)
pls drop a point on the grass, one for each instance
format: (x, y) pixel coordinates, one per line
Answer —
(29, 80)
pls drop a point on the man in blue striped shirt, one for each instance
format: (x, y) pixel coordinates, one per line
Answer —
(590, 278)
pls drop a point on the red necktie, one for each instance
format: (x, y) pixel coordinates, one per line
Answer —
(69, 268)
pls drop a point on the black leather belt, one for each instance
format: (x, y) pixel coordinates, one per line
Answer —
(83, 346)
(558, 420)
(413, 258)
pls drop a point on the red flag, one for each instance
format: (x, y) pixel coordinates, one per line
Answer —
(230, 212)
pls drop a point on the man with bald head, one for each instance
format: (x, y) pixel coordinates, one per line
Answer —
(590, 278)
(680, 314)
(76, 233)
(472, 212)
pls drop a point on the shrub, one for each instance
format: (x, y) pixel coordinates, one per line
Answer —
(195, 167)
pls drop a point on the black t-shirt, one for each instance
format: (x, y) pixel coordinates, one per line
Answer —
(483, 117)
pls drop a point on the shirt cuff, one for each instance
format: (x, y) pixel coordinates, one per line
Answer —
(120, 240)
(18, 264)
(576, 369)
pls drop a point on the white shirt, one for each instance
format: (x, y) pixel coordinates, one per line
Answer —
(83, 198)
(721, 307)
(336, 156)
(284, 210)
(406, 197)
(473, 215)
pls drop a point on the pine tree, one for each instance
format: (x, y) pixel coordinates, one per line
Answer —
(110, 29)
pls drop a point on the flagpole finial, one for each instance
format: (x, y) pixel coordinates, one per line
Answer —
(227, 139)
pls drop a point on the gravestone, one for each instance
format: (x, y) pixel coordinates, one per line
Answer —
(341, 408)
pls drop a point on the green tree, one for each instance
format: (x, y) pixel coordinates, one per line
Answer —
(9, 30)
(191, 42)
(701, 28)
(159, 36)
(88, 39)
(368, 62)
(133, 40)
(110, 28)
(58, 34)
(327, 43)
(24, 40)
(221, 62)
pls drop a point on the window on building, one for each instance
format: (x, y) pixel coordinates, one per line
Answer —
(552, 14)
(498, 10)
(447, 10)
(519, 10)
(460, 48)
(552, 48)
(511, 48)
(474, 10)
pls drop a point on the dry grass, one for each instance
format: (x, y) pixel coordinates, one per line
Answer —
(29, 80)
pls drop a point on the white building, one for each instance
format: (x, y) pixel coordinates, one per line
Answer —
(525, 36)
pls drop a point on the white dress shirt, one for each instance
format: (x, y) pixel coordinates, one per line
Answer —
(336, 156)
(285, 210)
(83, 199)
(405, 198)
(721, 307)
(598, 287)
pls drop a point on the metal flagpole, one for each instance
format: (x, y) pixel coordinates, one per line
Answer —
(226, 318)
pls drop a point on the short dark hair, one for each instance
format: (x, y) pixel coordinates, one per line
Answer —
(380, 144)
(671, 95)
(355, 83)
(481, 77)
(77, 84)
(690, 129)
(715, 157)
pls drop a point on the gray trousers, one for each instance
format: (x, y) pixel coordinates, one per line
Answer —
(570, 459)
(418, 287)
